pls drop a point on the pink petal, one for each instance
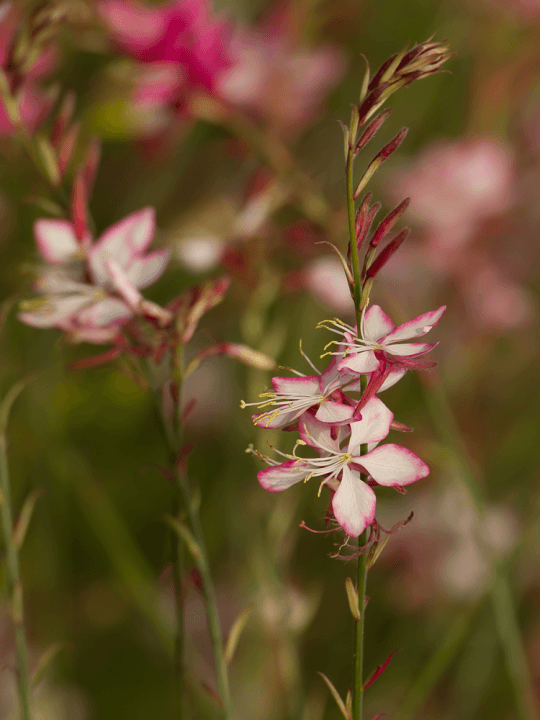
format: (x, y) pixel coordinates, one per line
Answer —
(332, 378)
(124, 242)
(354, 503)
(417, 327)
(136, 27)
(362, 362)
(373, 427)
(276, 418)
(122, 285)
(330, 411)
(109, 311)
(393, 465)
(317, 434)
(280, 477)
(297, 386)
(377, 324)
(54, 311)
(55, 240)
(409, 349)
(146, 270)
(395, 376)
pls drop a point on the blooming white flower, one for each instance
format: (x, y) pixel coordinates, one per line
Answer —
(378, 334)
(354, 500)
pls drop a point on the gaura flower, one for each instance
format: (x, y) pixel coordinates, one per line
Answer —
(94, 286)
(379, 336)
(354, 500)
(293, 396)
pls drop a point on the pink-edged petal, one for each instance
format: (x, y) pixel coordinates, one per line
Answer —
(393, 465)
(416, 327)
(52, 311)
(297, 386)
(124, 242)
(409, 349)
(55, 240)
(377, 324)
(331, 412)
(277, 418)
(317, 434)
(394, 377)
(373, 427)
(361, 362)
(280, 477)
(146, 270)
(122, 284)
(332, 379)
(109, 311)
(354, 503)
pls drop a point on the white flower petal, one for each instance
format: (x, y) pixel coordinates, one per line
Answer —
(354, 503)
(393, 465)
(416, 327)
(377, 324)
(373, 427)
(56, 240)
(317, 434)
(280, 477)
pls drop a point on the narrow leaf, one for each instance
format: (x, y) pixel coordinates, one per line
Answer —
(341, 259)
(378, 548)
(235, 633)
(21, 526)
(336, 696)
(45, 661)
(48, 160)
(9, 398)
(184, 533)
(365, 81)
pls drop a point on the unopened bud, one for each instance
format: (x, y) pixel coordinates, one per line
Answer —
(63, 119)
(373, 210)
(389, 221)
(352, 597)
(79, 212)
(371, 129)
(91, 164)
(393, 145)
(67, 146)
(386, 254)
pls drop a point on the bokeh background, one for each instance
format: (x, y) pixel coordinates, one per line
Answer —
(251, 192)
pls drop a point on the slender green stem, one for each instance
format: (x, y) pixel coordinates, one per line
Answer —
(15, 584)
(358, 682)
(174, 437)
(352, 235)
(358, 685)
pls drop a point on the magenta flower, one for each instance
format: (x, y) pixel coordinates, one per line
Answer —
(379, 336)
(102, 293)
(354, 500)
(293, 396)
(180, 32)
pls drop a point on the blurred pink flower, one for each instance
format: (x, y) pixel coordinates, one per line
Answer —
(325, 278)
(496, 303)
(455, 185)
(277, 81)
(91, 301)
(201, 253)
(33, 104)
(527, 10)
(180, 32)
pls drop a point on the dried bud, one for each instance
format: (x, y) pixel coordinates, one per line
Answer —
(389, 221)
(386, 253)
(371, 129)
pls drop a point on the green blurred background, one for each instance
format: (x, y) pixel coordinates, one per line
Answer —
(95, 562)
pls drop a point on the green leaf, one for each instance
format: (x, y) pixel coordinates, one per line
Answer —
(45, 662)
(336, 696)
(235, 633)
(21, 526)
(184, 533)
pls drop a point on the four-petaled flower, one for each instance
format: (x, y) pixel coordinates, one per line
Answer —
(90, 289)
(293, 396)
(354, 501)
(379, 335)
